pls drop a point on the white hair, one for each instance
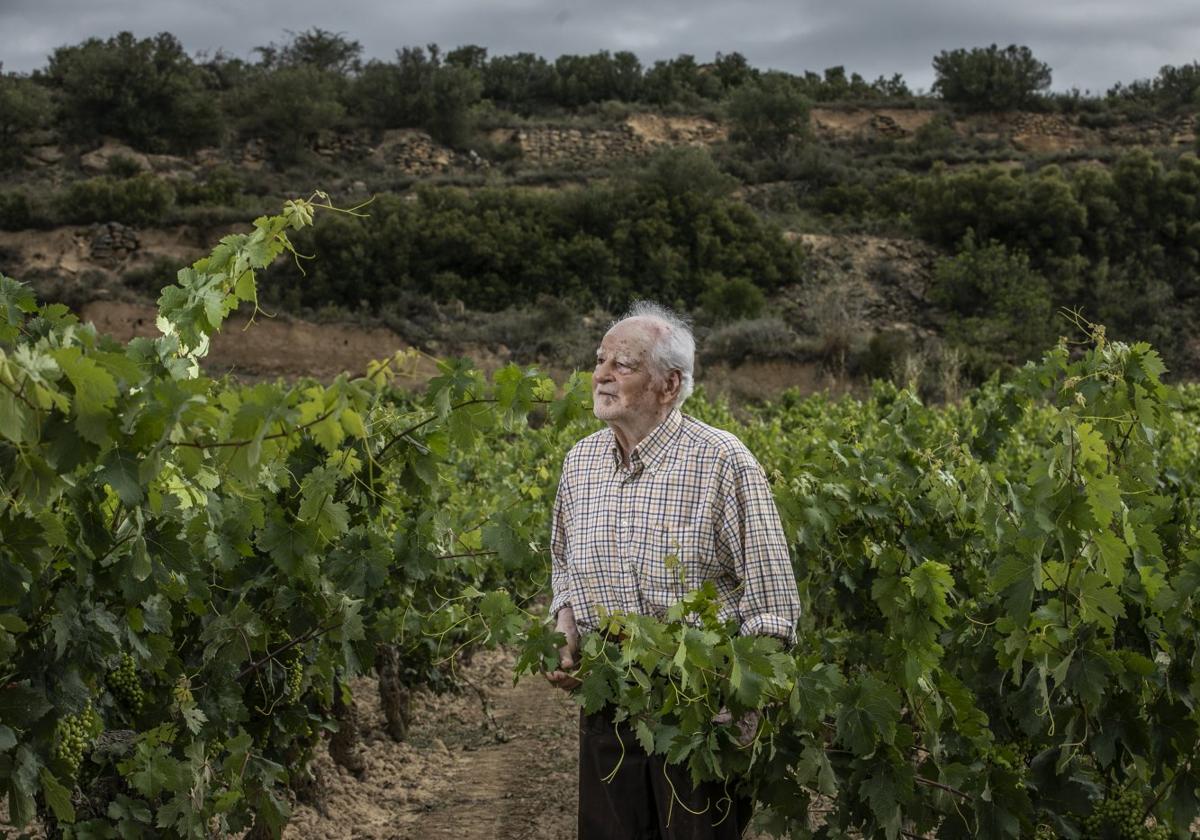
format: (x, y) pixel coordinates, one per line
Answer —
(674, 345)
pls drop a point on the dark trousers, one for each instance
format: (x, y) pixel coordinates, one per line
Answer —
(638, 802)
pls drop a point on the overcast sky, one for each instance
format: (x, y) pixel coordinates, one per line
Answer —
(1089, 44)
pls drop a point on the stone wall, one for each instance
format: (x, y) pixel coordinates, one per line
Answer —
(112, 243)
(573, 146)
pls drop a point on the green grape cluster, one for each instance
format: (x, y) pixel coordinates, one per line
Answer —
(72, 735)
(295, 677)
(1045, 832)
(124, 682)
(1122, 819)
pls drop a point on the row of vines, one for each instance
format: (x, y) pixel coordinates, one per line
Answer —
(999, 635)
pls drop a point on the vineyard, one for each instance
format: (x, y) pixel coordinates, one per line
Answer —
(999, 633)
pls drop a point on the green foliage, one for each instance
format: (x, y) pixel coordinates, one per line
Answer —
(394, 94)
(1174, 89)
(599, 77)
(420, 90)
(141, 200)
(990, 78)
(146, 92)
(289, 107)
(999, 626)
(15, 211)
(999, 308)
(193, 568)
(454, 92)
(495, 248)
(768, 114)
(687, 171)
(25, 106)
(936, 135)
(1120, 242)
(999, 629)
(731, 299)
(330, 52)
(757, 338)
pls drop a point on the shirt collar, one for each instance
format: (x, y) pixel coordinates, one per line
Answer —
(653, 448)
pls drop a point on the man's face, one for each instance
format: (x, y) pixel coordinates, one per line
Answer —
(623, 389)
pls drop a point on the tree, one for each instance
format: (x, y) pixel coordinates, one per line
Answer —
(455, 91)
(147, 92)
(468, 56)
(999, 308)
(733, 70)
(330, 51)
(990, 78)
(598, 77)
(24, 107)
(680, 80)
(289, 107)
(767, 114)
(677, 171)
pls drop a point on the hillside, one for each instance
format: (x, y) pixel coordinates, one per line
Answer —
(817, 243)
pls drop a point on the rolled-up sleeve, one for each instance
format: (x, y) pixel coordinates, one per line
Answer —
(769, 604)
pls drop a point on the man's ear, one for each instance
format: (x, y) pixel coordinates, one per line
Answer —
(672, 386)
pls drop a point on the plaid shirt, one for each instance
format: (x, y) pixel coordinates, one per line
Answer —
(690, 491)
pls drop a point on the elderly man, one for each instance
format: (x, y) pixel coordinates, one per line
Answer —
(656, 483)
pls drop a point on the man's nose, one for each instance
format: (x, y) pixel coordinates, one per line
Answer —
(603, 372)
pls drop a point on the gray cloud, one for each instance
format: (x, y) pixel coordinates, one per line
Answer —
(1090, 44)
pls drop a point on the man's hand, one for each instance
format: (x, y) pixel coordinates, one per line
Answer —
(568, 654)
(747, 725)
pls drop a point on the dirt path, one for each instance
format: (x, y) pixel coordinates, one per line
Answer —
(464, 773)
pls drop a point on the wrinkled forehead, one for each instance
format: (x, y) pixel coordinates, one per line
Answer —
(633, 336)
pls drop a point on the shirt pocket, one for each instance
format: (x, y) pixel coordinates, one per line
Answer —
(680, 559)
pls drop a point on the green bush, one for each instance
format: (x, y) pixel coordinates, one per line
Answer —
(731, 299)
(767, 115)
(494, 248)
(998, 308)
(990, 78)
(142, 200)
(937, 135)
(742, 341)
(25, 106)
(15, 211)
(146, 92)
(220, 186)
(289, 107)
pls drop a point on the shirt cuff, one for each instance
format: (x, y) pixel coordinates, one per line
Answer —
(558, 602)
(766, 624)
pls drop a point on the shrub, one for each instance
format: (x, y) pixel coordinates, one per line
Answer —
(741, 341)
(24, 106)
(731, 299)
(289, 107)
(220, 186)
(768, 114)
(937, 135)
(133, 201)
(999, 309)
(147, 92)
(15, 212)
(990, 78)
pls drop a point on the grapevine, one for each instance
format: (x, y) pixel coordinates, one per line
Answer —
(1000, 618)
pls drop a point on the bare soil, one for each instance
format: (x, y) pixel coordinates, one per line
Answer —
(495, 761)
